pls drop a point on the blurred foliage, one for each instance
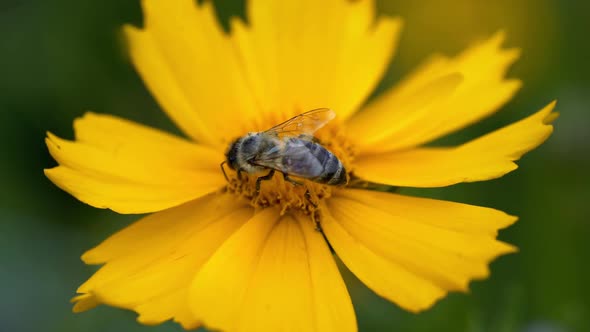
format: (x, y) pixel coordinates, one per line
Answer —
(60, 58)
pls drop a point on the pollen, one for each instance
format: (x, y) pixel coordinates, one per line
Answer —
(298, 194)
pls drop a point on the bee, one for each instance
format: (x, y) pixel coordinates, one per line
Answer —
(289, 148)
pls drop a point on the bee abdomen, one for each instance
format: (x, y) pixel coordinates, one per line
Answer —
(333, 172)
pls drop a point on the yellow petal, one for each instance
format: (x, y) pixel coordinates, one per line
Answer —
(412, 251)
(487, 157)
(189, 64)
(130, 168)
(150, 264)
(273, 275)
(301, 55)
(332, 305)
(484, 90)
(84, 302)
(373, 126)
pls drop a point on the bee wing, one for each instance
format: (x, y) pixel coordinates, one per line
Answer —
(293, 158)
(303, 124)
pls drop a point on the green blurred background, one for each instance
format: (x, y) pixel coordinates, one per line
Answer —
(60, 58)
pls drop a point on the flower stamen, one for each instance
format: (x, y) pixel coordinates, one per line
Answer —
(273, 188)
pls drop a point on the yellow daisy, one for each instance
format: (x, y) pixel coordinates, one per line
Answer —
(216, 253)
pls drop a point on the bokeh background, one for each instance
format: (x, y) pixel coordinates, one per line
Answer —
(60, 58)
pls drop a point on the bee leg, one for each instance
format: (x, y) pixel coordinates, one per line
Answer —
(264, 178)
(288, 179)
(316, 220)
(223, 170)
(308, 197)
(239, 174)
(318, 227)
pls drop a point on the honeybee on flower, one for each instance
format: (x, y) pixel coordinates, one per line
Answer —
(236, 249)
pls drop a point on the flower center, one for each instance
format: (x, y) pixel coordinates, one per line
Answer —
(292, 192)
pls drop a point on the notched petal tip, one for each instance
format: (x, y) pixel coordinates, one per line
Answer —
(395, 24)
(513, 84)
(508, 249)
(509, 221)
(551, 116)
(128, 30)
(425, 306)
(498, 37)
(89, 115)
(545, 118)
(147, 320)
(53, 145)
(84, 302)
(90, 258)
(50, 137)
(188, 325)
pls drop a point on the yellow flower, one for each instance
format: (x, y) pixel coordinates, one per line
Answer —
(215, 253)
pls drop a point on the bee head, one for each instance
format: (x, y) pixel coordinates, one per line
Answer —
(232, 154)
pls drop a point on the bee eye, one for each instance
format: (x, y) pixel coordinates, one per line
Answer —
(231, 160)
(232, 154)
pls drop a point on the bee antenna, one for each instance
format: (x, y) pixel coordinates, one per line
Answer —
(223, 170)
